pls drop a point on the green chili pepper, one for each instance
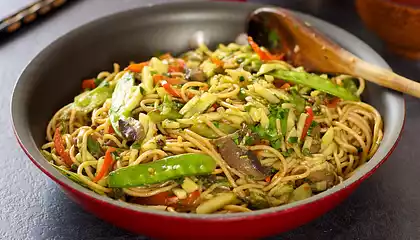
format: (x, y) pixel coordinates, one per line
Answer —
(314, 81)
(90, 100)
(168, 168)
(124, 99)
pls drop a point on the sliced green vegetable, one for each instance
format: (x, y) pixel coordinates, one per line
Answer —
(156, 116)
(189, 185)
(257, 200)
(350, 85)
(95, 98)
(158, 65)
(316, 82)
(204, 102)
(205, 131)
(216, 203)
(299, 102)
(124, 99)
(268, 67)
(283, 121)
(302, 192)
(328, 138)
(147, 79)
(265, 93)
(189, 105)
(168, 168)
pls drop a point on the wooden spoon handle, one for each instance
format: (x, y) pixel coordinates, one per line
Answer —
(386, 78)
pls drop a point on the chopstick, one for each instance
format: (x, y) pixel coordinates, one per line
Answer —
(35, 11)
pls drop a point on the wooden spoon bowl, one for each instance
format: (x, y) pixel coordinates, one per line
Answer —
(281, 32)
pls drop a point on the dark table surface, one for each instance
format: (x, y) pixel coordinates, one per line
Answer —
(386, 206)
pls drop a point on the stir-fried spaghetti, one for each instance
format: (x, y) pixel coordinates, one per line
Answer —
(233, 130)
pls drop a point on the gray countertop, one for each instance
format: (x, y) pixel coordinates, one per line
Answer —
(385, 206)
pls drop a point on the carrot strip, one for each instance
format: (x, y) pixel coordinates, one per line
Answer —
(174, 92)
(137, 67)
(264, 55)
(107, 163)
(217, 61)
(285, 86)
(59, 147)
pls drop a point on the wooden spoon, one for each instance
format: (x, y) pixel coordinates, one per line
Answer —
(281, 32)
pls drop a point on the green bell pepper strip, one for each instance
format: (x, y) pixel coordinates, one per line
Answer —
(314, 81)
(168, 168)
(90, 100)
(125, 98)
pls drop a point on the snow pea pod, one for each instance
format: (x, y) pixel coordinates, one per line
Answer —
(314, 81)
(165, 169)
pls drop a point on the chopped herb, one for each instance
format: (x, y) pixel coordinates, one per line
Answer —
(153, 72)
(288, 152)
(273, 170)
(306, 152)
(292, 139)
(241, 78)
(97, 81)
(136, 145)
(142, 91)
(105, 84)
(94, 147)
(276, 144)
(242, 94)
(235, 138)
(311, 127)
(249, 140)
(247, 108)
(359, 149)
(216, 124)
(116, 155)
(240, 60)
(74, 167)
(179, 180)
